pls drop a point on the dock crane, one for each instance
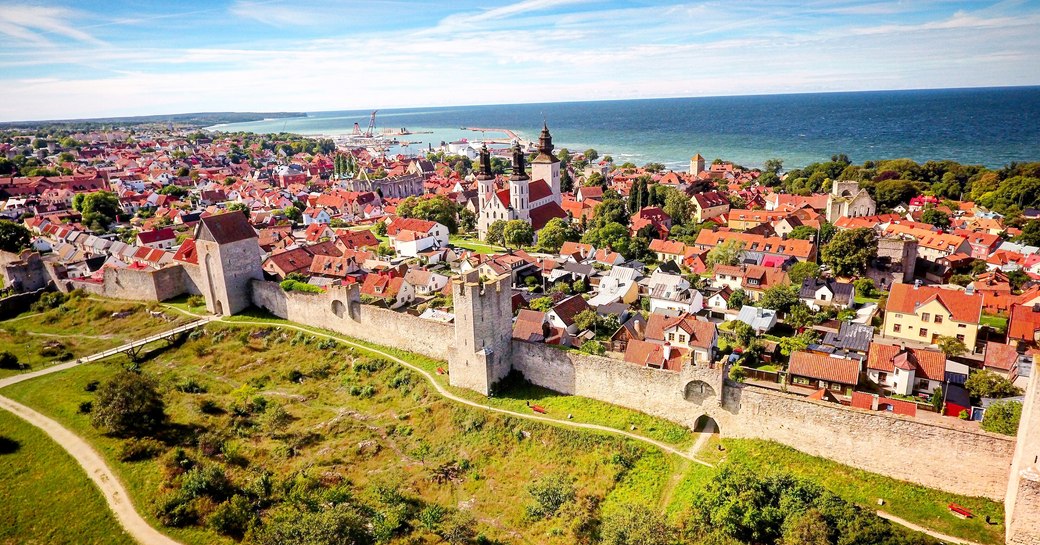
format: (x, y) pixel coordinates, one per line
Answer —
(371, 125)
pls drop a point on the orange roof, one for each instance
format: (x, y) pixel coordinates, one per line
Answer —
(906, 298)
(822, 367)
(929, 364)
(1024, 323)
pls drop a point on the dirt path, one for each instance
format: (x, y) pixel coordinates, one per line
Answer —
(941, 537)
(99, 472)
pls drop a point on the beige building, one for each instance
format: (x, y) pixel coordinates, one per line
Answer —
(924, 313)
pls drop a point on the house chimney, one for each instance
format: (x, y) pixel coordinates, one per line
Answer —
(667, 351)
(917, 283)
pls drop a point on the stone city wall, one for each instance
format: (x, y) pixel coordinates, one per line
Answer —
(135, 284)
(23, 272)
(905, 448)
(13, 305)
(339, 310)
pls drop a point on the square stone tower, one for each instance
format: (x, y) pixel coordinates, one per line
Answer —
(1022, 503)
(230, 258)
(483, 332)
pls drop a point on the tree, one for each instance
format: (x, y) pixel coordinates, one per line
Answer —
(612, 235)
(802, 270)
(554, 234)
(438, 208)
(324, 525)
(1003, 417)
(989, 384)
(890, 193)
(635, 524)
(803, 232)
(851, 251)
(773, 165)
(937, 399)
(937, 218)
(794, 343)
(781, 297)
(1017, 278)
(595, 180)
(586, 320)
(549, 494)
(743, 333)
(517, 233)
(737, 299)
(801, 316)
(806, 528)
(542, 304)
(1030, 234)
(98, 209)
(293, 214)
(237, 207)
(14, 237)
(951, 346)
(495, 231)
(9, 361)
(128, 404)
(174, 191)
(726, 253)
(678, 206)
(591, 155)
(865, 287)
(827, 232)
(467, 220)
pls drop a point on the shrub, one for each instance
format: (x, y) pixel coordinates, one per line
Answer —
(362, 391)
(737, 374)
(196, 301)
(85, 407)
(176, 509)
(1003, 417)
(9, 361)
(128, 404)
(295, 285)
(91, 386)
(457, 528)
(430, 517)
(49, 300)
(191, 386)
(295, 376)
(548, 494)
(208, 481)
(593, 347)
(208, 406)
(175, 463)
(135, 449)
(233, 517)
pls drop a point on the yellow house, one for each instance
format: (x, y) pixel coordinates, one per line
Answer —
(924, 313)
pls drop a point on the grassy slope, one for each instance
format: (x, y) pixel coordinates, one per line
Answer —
(502, 463)
(84, 327)
(40, 479)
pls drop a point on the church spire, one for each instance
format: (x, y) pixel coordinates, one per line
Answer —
(545, 144)
(519, 168)
(485, 164)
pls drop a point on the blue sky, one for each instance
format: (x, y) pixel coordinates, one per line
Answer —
(89, 58)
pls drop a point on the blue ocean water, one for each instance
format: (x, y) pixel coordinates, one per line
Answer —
(990, 127)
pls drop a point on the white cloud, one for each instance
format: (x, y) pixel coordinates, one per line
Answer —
(33, 25)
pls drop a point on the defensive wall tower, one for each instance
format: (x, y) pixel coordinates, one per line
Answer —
(483, 332)
(230, 258)
(1022, 503)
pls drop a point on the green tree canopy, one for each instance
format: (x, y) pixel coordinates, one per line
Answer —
(803, 232)
(989, 384)
(517, 233)
(850, 252)
(781, 297)
(98, 209)
(1003, 417)
(14, 237)
(128, 404)
(438, 208)
(937, 218)
(495, 231)
(612, 235)
(802, 270)
(725, 253)
(554, 234)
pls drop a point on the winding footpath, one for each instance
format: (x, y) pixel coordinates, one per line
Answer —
(119, 500)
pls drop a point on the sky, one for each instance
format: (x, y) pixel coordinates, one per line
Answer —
(87, 58)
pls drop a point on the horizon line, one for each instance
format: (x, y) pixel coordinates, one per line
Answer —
(490, 104)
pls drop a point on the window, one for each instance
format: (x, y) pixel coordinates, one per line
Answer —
(836, 387)
(896, 328)
(682, 338)
(671, 336)
(800, 380)
(923, 333)
(960, 338)
(961, 326)
(938, 318)
(924, 317)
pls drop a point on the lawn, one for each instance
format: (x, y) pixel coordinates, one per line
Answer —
(353, 419)
(47, 498)
(475, 245)
(79, 327)
(918, 504)
(998, 323)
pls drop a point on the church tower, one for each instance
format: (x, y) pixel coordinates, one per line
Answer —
(696, 164)
(546, 166)
(485, 179)
(519, 185)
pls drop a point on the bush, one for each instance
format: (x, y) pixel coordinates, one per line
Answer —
(233, 517)
(9, 361)
(48, 301)
(208, 481)
(135, 449)
(548, 494)
(737, 374)
(196, 301)
(362, 391)
(129, 404)
(176, 510)
(91, 386)
(1003, 417)
(295, 285)
(593, 347)
(191, 386)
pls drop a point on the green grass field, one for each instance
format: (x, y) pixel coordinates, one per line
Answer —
(47, 498)
(415, 429)
(998, 323)
(80, 327)
(475, 245)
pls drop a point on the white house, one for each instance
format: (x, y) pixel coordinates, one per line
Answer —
(411, 236)
(671, 294)
(619, 285)
(425, 282)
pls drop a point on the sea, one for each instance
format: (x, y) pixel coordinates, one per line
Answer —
(983, 126)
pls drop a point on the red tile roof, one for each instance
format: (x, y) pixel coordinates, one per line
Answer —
(1024, 323)
(187, 252)
(821, 367)
(650, 354)
(905, 299)
(929, 364)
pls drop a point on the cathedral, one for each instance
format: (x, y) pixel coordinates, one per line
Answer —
(535, 202)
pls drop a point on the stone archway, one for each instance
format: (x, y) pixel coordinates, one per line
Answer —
(338, 308)
(698, 391)
(706, 424)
